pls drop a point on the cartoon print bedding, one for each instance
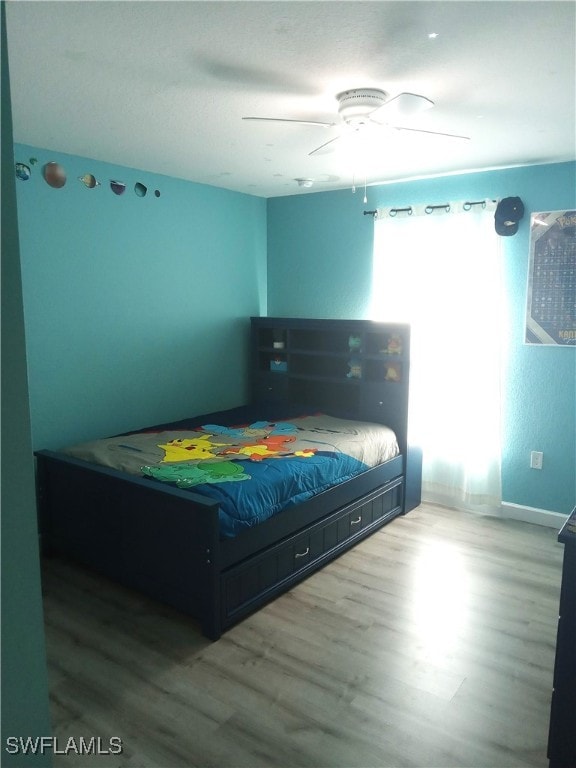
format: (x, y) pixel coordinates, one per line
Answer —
(253, 471)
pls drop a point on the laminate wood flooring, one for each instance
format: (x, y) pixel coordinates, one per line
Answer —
(429, 645)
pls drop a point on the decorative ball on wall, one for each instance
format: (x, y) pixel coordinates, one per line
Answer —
(89, 180)
(118, 187)
(140, 190)
(54, 175)
(22, 171)
(157, 192)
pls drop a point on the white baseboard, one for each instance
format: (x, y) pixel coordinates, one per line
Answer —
(533, 515)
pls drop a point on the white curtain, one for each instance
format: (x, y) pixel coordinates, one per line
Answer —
(442, 274)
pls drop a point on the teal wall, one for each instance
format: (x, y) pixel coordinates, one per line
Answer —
(136, 308)
(320, 264)
(24, 679)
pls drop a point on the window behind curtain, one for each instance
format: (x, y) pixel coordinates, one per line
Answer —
(441, 273)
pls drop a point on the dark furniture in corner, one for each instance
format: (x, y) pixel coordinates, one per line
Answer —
(165, 541)
(562, 733)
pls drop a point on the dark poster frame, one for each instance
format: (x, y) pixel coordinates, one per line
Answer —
(551, 294)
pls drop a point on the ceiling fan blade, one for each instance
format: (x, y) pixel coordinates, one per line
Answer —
(433, 133)
(324, 148)
(288, 120)
(403, 105)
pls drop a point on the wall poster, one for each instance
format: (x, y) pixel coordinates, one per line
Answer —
(551, 303)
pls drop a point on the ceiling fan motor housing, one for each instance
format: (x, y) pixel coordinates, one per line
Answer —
(355, 105)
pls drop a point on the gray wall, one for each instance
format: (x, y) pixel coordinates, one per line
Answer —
(24, 679)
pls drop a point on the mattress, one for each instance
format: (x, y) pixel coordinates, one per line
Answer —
(253, 469)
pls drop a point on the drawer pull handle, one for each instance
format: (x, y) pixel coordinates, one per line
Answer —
(356, 522)
(302, 554)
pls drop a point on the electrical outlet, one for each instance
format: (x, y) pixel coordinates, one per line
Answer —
(536, 459)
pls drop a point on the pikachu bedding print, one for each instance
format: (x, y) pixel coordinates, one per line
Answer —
(253, 471)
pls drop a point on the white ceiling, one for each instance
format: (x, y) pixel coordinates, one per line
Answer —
(162, 86)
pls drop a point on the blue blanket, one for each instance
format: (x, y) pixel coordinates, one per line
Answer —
(252, 471)
(275, 485)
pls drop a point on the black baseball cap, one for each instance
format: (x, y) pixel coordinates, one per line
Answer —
(508, 213)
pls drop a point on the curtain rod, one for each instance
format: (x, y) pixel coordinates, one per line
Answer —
(468, 205)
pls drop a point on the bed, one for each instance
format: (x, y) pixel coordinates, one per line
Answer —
(164, 509)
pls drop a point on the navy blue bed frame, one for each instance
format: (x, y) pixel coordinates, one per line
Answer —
(165, 542)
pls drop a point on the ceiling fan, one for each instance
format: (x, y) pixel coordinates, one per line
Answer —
(362, 107)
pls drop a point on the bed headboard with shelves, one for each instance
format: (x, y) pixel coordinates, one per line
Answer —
(350, 368)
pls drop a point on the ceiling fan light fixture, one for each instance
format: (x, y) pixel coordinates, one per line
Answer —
(355, 106)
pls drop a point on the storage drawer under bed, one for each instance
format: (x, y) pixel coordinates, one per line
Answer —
(257, 580)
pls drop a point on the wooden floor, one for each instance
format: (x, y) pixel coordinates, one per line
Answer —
(431, 644)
